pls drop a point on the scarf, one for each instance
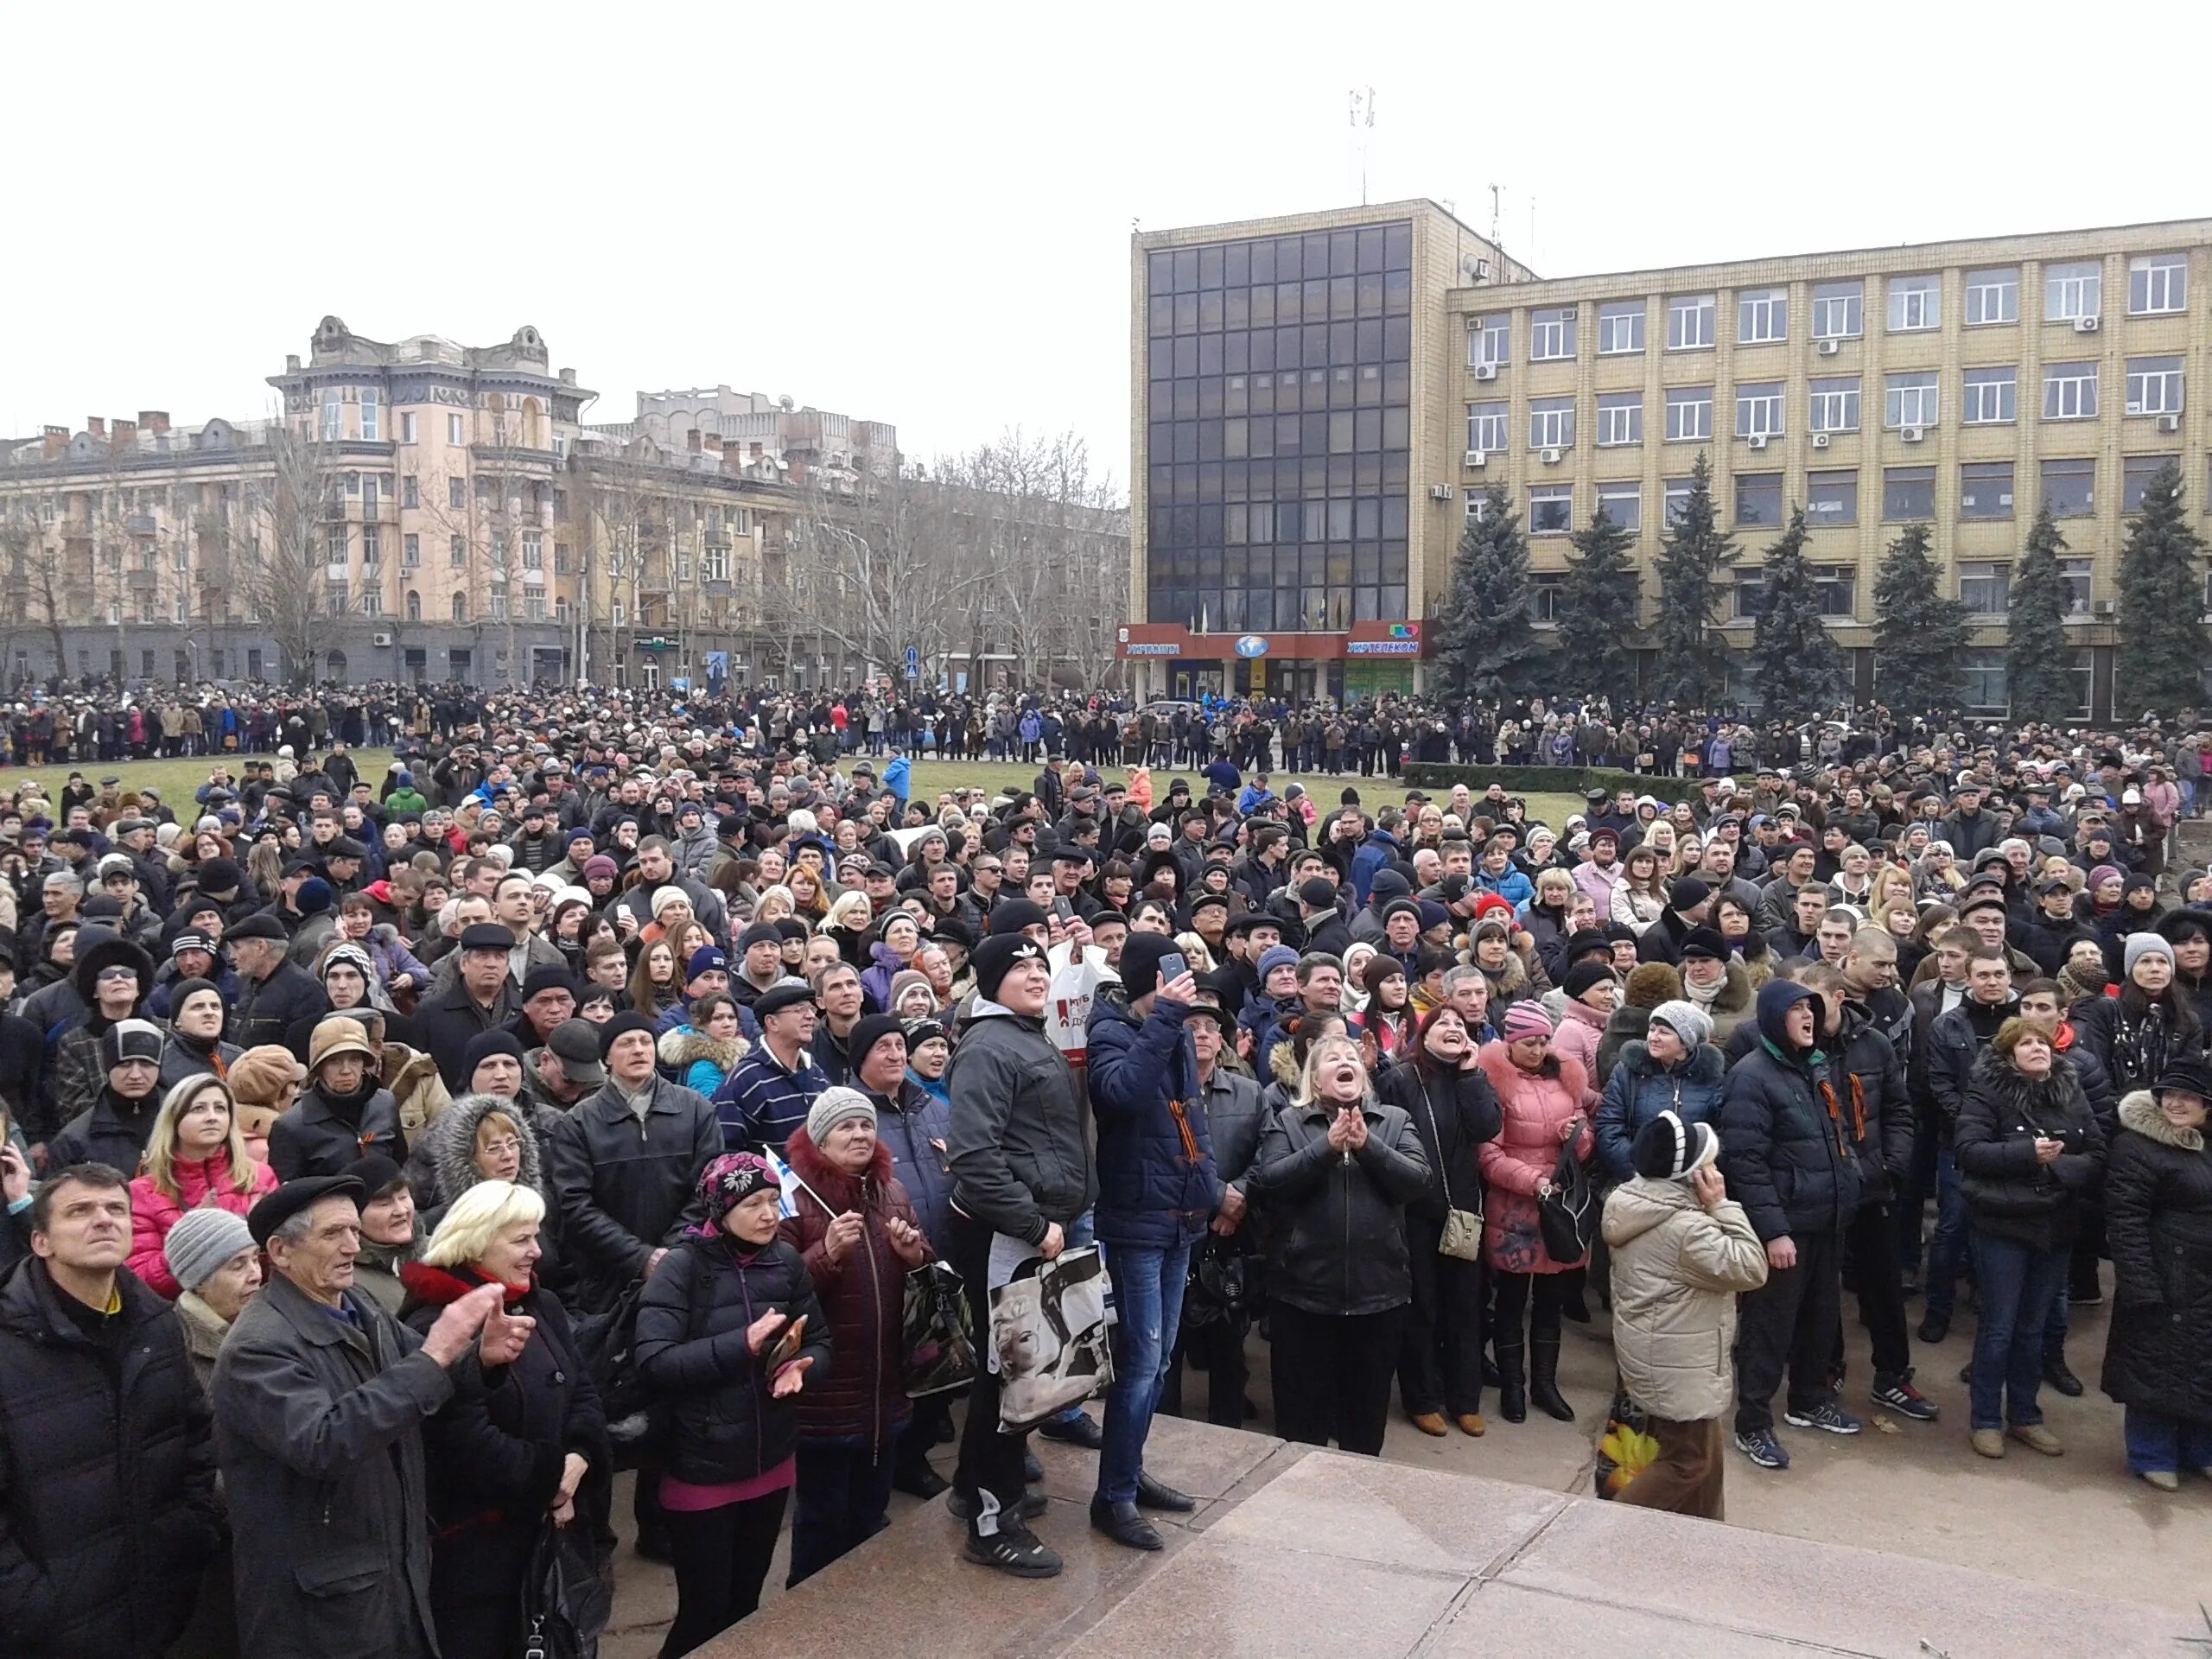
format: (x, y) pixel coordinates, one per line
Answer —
(1704, 997)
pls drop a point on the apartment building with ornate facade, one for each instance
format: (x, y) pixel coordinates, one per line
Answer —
(1957, 385)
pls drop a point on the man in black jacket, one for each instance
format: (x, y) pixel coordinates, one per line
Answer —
(273, 992)
(1954, 1043)
(1789, 1160)
(107, 1514)
(481, 999)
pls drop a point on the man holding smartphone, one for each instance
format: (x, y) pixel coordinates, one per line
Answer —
(1157, 1190)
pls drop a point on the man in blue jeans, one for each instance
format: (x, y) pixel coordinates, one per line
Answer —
(1156, 1192)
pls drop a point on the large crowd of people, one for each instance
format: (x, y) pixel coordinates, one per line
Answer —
(389, 1157)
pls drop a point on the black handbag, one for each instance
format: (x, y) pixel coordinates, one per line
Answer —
(1567, 1217)
(1223, 1283)
(566, 1598)
(936, 1335)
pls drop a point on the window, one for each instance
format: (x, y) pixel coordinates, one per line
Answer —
(533, 607)
(1543, 600)
(1907, 492)
(1551, 336)
(457, 555)
(1676, 497)
(334, 540)
(370, 491)
(1831, 499)
(1835, 587)
(1986, 587)
(334, 599)
(410, 490)
(1762, 316)
(1623, 503)
(1689, 322)
(533, 550)
(333, 417)
(453, 437)
(410, 550)
(1689, 413)
(2072, 291)
(1916, 302)
(1620, 417)
(2076, 572)
(560, 558)
(456, 493)
(414, 606)
(373, 601)
(2157, 283)
(460, 607)
(407, 427)
(1837, 310)
(2069, 488)
(1989, 395)
(371, 545)
(1551, 508)
(2136, 473)
(1911, 401)
(2154, 385)
(1486, 427)
(1833, 406)
(1551, 423)
(1985, 680)
(1487, 339)
(1758, 410)
(1992, 296)
(370, 414)
(2069, 391)
(1758, 498)
(1985, 489)
(1620, 327)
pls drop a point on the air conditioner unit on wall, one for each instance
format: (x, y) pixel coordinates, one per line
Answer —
(1551, 457)
(1820, 440)
(2169, 422)
(2106, 607)
(1827, 347)
(1477, 458)
(383, 638)
(1757, 440)
(2085, 325)
(1485, 371)
(1912, 434)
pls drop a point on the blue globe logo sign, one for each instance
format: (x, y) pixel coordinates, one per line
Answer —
(1252, 644)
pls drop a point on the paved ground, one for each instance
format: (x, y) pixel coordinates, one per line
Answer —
(2078, 1523)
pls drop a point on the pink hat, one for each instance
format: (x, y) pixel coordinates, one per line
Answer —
(1526, 1019)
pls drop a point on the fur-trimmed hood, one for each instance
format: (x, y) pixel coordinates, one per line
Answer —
(680, 1046)
(2139, 1111)
(453, 1138)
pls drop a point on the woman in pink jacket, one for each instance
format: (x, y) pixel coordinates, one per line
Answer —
(194, 1157)
(1592, 991)
(1539, 1095)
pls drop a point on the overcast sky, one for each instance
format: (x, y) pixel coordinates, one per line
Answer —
(921, 215)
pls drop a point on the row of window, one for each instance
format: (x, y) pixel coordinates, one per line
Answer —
(338, 601)
(1988, 396)
(1984, 587)
(2158, 285)
(1985, 491)
(368, 401)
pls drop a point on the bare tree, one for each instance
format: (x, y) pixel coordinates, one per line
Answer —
(36, 595)
(278, 555)
(877, 558)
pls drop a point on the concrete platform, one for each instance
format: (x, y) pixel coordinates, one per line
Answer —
(1295, 1551)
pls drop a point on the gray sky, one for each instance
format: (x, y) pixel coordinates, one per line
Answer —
(922, 216)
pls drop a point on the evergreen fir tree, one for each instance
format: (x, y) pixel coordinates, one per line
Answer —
(1796, 666)
(2162, 644)
(2039, 673)
(1597, 612)
(1693, 667)
(1920, 636)
(1486, 644)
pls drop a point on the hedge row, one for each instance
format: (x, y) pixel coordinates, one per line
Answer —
(1546, 780)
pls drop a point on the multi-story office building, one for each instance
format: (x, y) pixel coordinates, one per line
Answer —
(1957, 385)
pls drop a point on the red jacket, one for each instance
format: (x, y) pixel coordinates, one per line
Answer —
(864, 1297)
(202, 1181)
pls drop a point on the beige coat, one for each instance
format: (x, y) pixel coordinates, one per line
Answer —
(1676, 1270)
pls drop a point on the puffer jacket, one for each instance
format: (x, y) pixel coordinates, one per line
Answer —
(1788, 1155)
(1338, 1241)
(700, 1063)
(1156, 1183)
(1640, 1090)
(1677, 1268)
(1580, 1029)
(864, 1297)
(1869, 1076)
(723, 1424)
(2009, 1195)
(411, 1076)
(2159, 1224)
(201, 1183)
(1018, 1131)
(1454, 1110)
(912, 1129)
(1535, 1108)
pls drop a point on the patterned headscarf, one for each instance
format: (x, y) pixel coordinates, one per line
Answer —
(730, 1179)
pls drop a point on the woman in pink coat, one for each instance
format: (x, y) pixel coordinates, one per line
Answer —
(1539, 1095)
(1591, 992)
(194, 1157)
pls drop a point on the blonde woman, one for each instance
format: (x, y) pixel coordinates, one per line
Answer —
(776, 904)
(1891, 886)
(195, 1157)
(1640, 899)
(1336, 1169)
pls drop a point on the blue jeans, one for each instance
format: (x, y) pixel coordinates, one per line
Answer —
(2018, 1282)
(2165, 1446)
(1148, 1292)
(1946, 1248)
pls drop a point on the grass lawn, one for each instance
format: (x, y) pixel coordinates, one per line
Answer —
(176, 780)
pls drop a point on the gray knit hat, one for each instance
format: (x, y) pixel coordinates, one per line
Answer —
(834, 1106)
(2139, 946)
(202, 1241)
(1688, 1022)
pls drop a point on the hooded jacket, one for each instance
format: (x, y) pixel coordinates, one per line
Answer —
(1789, 1153)
(1677, 1268)
(2158, 1224)
(1640, 1089)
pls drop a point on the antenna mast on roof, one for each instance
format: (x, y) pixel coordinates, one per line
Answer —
(1363, 115)
(1497, 200)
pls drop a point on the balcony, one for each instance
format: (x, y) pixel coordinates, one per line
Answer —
(144, 581)
(140, 524)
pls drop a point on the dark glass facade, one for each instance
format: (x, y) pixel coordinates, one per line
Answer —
(1279, 374)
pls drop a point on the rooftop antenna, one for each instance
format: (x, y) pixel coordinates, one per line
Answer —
(1363, 116)
(1496, 199)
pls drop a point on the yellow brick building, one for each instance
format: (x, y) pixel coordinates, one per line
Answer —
(1955, 384)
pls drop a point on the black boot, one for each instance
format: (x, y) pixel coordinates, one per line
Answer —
(1512, 1382)
(1543, 1379)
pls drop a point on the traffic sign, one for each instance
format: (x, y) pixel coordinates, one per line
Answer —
(913, 664)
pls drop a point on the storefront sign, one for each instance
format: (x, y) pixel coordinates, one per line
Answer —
(1252, 644)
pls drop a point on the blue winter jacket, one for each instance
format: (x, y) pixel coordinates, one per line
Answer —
(1378, 849)
(1639, 1090)
(1157, 1187)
